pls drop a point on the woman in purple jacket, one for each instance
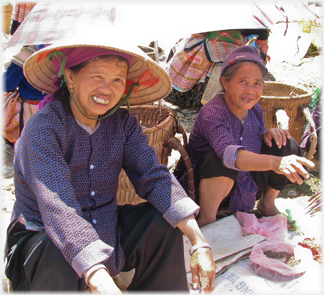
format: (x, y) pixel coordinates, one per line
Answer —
(236, 160)
(67, 231)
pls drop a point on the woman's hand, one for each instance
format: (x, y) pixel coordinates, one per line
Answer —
(203, 269)
(292, 167)
(279, 135)
(202, 264)
(101, 282)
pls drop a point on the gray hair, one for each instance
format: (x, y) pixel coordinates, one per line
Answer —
(231, 71)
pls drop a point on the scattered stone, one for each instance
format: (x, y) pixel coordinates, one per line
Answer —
(292, 194)
(180, 115)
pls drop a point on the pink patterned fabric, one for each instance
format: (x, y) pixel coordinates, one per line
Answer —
(22, 9)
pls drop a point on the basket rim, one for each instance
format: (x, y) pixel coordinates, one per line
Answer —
(168, 117)
(285, 97)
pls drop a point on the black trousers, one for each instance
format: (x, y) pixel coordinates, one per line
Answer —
(151, 246)
(211, 166)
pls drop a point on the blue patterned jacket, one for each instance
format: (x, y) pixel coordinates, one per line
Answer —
(66, 182)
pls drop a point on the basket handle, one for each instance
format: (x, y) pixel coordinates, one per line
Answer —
(313, 137)
(166, 149)
(175, 144)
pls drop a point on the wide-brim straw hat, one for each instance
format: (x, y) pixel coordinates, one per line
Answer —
(40, 72)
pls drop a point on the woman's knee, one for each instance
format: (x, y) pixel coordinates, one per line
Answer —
(142, 219)
(40, 265)
(216, 190)
(217, 184)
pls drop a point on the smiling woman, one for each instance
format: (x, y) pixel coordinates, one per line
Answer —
(96, 87)
(244, 89)
(236, 161)
(71, 233)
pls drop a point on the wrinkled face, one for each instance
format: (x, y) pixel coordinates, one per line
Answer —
(97, 88)
(244, 90)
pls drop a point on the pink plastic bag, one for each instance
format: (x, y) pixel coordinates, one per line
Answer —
(272, 227)
(274, 269)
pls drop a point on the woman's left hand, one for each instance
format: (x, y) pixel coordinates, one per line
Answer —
(202, 264)
(203, 269)
(279, 135)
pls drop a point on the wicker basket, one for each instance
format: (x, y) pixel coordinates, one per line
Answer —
(289, 98)
(6, 14)
(158, 129)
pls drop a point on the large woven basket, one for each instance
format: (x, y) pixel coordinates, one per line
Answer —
(288, 98)
(6, 17)
(158, 128)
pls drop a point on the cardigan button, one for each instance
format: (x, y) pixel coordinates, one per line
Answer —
(91, 166)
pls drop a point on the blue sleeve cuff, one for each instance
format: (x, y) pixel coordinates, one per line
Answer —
(180, 210)
(230, 156)
(96, 252)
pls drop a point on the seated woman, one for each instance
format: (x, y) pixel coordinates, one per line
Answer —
(236, 161)
(67, 230)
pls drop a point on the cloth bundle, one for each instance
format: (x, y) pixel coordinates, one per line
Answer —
(20, 98)
(199, 54)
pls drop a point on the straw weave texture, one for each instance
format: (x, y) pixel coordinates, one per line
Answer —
(289, 98)
(158, 128)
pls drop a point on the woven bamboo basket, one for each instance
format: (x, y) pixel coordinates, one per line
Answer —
(291, 99)
(6, 17)
(158, 128)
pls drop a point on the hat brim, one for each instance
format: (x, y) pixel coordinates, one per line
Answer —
(40, 73)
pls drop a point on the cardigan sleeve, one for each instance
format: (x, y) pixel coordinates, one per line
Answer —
(153, 181)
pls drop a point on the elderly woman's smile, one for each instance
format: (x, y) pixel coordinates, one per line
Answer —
(100, 100)
(97, 87)
(248, 99)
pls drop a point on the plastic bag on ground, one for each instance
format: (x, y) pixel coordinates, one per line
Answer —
(272, 227)
(275, 269)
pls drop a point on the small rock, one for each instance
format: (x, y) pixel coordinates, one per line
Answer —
(292, 193)
(180, 115)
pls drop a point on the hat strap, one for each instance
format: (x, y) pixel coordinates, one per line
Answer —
(62, 60)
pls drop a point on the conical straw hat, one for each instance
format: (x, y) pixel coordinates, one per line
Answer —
(40, 72)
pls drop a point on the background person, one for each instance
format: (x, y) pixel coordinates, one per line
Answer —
(20, 98)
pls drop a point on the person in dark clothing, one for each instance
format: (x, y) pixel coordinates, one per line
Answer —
(236, 161)
(67, 231)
